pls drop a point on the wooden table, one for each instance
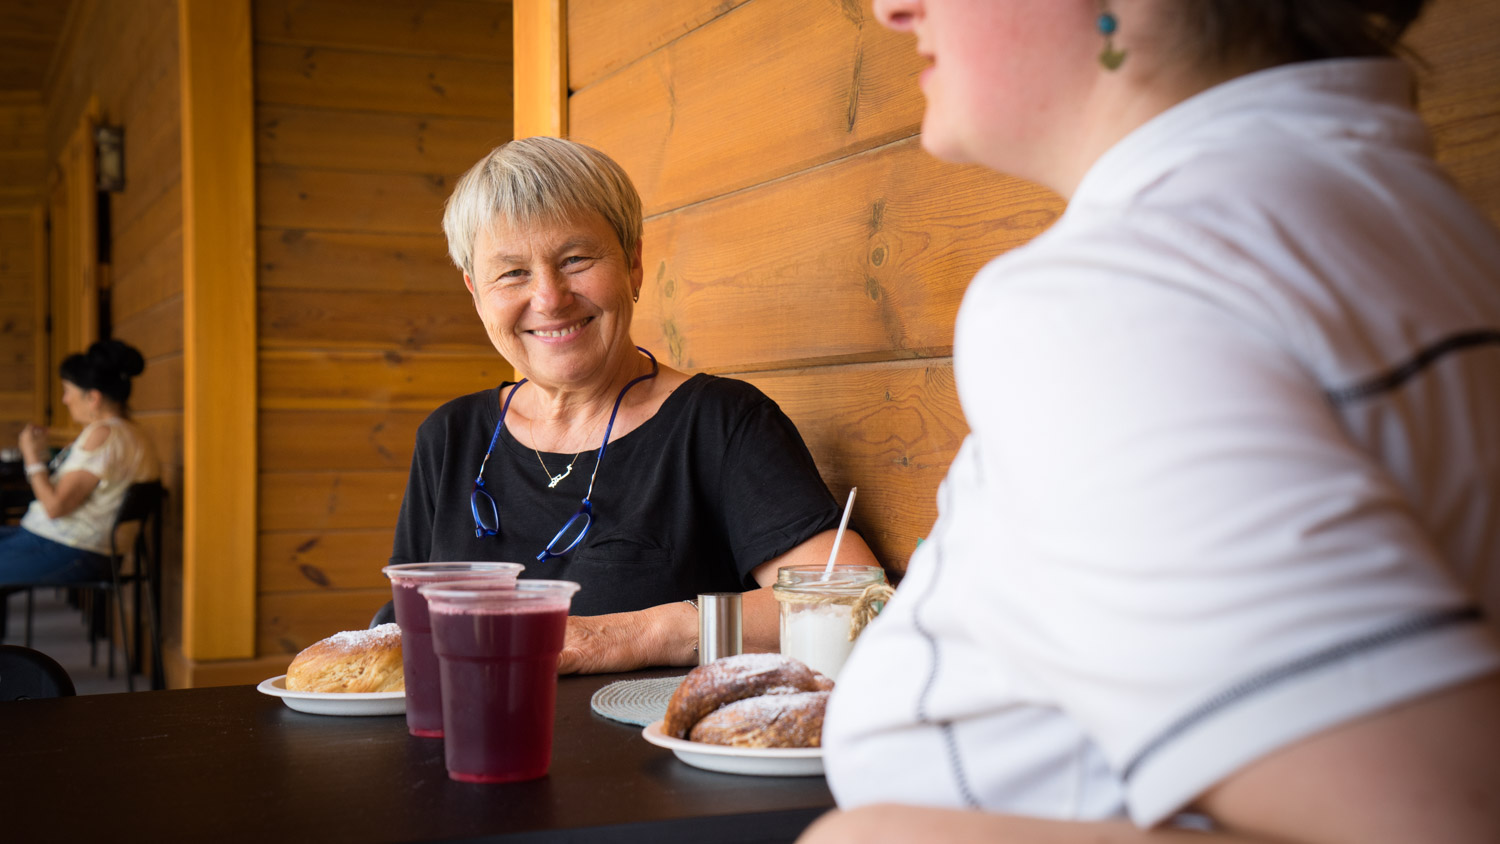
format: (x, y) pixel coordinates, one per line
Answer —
(231, 764)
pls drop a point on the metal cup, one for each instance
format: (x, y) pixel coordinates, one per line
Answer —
(720, 626)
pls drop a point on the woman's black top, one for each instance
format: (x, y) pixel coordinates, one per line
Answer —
(716, 483)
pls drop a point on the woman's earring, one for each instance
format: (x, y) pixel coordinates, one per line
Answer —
(1110, 57)
(636, 297)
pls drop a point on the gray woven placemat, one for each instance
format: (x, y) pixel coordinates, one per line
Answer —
(636, 702)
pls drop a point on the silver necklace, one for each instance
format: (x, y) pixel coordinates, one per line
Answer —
(554, 479)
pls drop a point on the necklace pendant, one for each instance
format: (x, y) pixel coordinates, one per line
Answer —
(557, 479)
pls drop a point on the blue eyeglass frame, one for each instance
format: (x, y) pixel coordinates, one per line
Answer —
(585, 512)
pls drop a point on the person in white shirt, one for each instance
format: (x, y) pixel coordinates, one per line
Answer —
(64, 535)
(1221, 548)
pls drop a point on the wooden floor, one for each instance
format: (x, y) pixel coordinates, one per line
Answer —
(60, 632)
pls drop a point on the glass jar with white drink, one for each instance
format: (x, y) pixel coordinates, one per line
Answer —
(823, 611)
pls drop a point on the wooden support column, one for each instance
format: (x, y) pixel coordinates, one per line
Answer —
(219, 345)
(541, 57)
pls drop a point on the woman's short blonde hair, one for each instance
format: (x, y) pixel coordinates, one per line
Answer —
(539, 180)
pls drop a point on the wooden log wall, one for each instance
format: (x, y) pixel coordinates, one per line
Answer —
(1460, 93)
(366, 114)
(23, 170)
(124, 56)
(798, 237)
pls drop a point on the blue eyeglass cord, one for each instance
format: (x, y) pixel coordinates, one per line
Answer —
(504, 409)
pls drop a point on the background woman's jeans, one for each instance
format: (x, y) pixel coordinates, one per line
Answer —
(27, 559)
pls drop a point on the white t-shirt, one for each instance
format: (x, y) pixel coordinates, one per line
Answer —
(1233, 474)
(125, 457)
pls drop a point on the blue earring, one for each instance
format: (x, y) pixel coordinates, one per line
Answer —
(1110, 57)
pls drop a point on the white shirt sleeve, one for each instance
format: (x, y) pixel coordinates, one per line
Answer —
(94, 461)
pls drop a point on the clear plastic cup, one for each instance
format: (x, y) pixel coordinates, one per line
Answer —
(497, 652)
(419, 665)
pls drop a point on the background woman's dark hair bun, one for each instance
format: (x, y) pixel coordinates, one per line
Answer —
(116, 356)
(1298, 30)
(107, 367)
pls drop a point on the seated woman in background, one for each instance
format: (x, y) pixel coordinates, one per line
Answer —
(1224, 538)
(688, 484)
(64, 536)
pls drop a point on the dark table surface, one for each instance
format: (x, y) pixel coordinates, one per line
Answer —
(231, 764)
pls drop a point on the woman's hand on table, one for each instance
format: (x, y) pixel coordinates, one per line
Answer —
(626, 641)
(600, 644)
(668, 634)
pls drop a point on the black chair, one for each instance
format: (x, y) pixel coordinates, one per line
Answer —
(141, 508)
(26, 674)
(385, 615)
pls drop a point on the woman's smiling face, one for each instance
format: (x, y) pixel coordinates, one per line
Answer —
(556, 298)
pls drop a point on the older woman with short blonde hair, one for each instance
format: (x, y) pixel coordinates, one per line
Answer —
(600, 464)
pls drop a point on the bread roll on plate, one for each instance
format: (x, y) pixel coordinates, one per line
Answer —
(774, 720)
(351, 661)
(750, 700)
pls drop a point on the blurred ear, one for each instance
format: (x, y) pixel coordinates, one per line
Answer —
(469, 283)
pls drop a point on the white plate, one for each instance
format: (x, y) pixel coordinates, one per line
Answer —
(757, 761)
(335, 703)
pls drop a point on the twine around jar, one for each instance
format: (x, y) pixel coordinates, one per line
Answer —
(863, 607)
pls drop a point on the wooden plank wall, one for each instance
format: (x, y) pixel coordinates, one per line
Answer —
(1460, 93)
(125, 55)
(23, 179)
(366, 114)
(797, 236)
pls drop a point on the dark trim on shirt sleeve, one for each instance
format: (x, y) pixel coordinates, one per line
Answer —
(945, 727)
(1412, 627)
(1389, 381)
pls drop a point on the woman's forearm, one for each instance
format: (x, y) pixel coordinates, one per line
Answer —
(762, 621)
(625, 641)
(659, 636)
(72, 488)
(888, 822)
(67, 495)
(42, 490)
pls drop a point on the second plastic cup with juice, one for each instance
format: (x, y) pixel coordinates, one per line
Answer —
(424, 705)
(497, 651)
